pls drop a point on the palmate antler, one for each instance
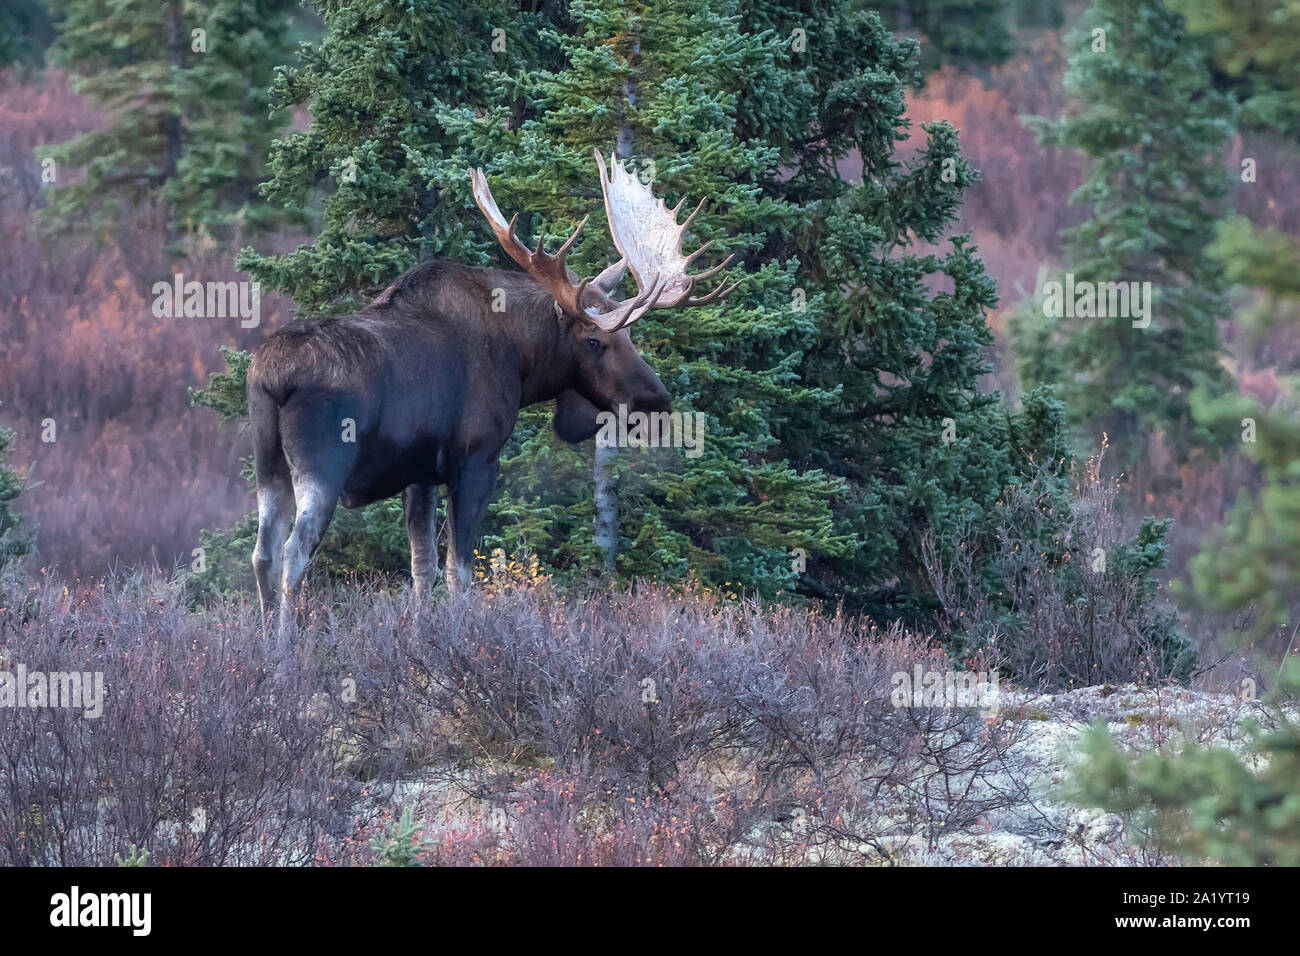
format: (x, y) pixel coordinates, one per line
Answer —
(647, 236)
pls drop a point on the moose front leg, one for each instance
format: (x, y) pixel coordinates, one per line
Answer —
(466, 501)
(420, 505)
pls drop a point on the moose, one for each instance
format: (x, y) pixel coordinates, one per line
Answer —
(422, 387)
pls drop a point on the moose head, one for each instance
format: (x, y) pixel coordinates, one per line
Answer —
(648, 237)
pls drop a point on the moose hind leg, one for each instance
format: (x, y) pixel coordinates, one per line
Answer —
(316, 504)
(274, 509)
(420, 505)
(466, 503)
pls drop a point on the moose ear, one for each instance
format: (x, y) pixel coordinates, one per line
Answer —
(575, 417)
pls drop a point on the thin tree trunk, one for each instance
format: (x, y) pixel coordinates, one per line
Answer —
(171, 126)
(606, 534)
(606, 492)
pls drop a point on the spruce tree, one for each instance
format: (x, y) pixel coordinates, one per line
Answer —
(921, 449)
(185, 90)
(735, 514)
(1209, 802)
(840, 388)
(666, 81)
(1239, 809)
(378, 84)
(1254, 560)
(16, 538)
(1256, 56)
(26, 32)
(1154, 130)
(962, 33)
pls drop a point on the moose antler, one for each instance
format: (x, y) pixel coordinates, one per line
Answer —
(648, 237)
(552, 274)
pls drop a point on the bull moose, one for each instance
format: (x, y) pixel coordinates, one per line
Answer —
(422, 387)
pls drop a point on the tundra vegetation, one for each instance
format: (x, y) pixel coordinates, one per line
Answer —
(918, 450)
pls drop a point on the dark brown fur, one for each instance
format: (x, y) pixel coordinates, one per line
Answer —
(427, 381)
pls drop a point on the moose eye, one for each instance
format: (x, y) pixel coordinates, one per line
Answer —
(593, 344)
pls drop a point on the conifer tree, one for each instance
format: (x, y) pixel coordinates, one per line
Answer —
(1254, 560)
(378, 84)
(841, 391)
(736, 513)
(1153, 128)
(26, 32)
(1209, 802)
(16, 538)
(666, 81)
(184, 87)
(1256, 56)
(921, 449)
(963, 33)
(1239, 809)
